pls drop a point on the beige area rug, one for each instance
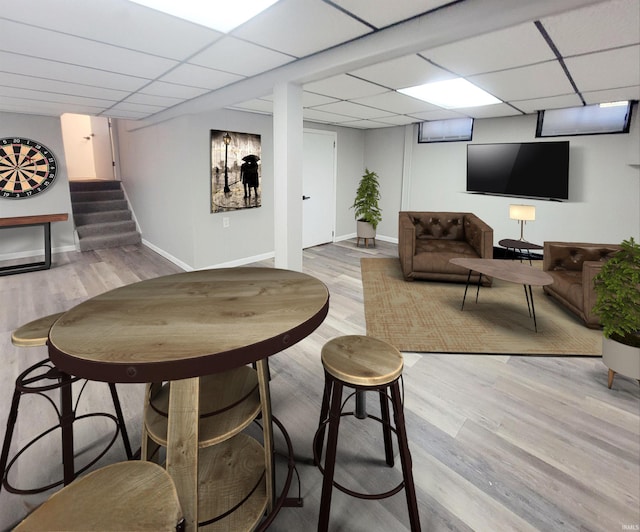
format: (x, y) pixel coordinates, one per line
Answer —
(425, 316)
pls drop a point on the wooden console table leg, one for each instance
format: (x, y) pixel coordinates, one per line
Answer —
(182, 446)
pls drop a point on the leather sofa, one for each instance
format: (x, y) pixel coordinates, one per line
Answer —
(573, 266)
(427, 240)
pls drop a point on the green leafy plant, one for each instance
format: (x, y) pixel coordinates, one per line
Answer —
(617, 287)
(365, 205)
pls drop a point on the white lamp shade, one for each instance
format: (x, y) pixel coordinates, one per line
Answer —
(522, 212)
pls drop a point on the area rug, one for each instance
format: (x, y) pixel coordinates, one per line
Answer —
(425, 316)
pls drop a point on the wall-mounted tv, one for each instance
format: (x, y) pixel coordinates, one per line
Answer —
(525, 169)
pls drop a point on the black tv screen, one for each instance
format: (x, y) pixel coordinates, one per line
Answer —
(526, 169)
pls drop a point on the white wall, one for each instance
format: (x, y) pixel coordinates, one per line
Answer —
(165, 172)
(28, 241)
(604, 189)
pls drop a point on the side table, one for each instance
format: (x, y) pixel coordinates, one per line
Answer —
(520, 245)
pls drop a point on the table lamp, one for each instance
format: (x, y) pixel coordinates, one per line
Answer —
(522, 213)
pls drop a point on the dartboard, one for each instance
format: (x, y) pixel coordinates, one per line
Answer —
(26, 168)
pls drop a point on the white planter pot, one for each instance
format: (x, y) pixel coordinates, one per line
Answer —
(620, 358)
(365, 230)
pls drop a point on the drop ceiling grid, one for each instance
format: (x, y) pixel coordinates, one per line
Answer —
(301, 27)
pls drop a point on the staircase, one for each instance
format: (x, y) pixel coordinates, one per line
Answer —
(102, 215)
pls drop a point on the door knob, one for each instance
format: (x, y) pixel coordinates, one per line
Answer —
(305, 197)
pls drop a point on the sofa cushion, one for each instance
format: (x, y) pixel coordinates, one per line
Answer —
(433, 255)
(571, 258)
(447, 227)
(569, 284)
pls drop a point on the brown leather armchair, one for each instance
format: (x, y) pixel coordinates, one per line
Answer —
(427, 240)
(573, 266)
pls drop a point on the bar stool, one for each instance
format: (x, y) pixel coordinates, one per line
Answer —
(364, 364)
(131, 495)
(38, 379)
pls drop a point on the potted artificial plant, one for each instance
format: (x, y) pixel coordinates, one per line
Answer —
(617, 287)
(366, 209)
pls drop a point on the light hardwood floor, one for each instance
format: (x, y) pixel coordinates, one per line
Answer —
(498, 442)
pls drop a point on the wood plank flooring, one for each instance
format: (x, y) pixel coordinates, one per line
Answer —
(498, 442)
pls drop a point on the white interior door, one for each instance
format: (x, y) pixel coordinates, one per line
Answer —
(318, 187)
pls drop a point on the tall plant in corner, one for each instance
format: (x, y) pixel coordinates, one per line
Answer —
(617, 288)
(366, 208)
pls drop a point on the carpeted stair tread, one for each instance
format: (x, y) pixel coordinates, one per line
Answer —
(94, 206)
(90, 243)
(101, 217)
(97, 195)
(108, 228)
(94, 184)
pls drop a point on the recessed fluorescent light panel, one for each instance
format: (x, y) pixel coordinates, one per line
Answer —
(220, 15)
(451, 94)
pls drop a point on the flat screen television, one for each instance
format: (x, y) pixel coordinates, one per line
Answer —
(525, 169)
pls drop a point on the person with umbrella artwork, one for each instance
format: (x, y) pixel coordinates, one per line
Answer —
(249, 174)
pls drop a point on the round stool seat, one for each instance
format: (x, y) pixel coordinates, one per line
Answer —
(362, 360)
(123, 496)
(34, 333)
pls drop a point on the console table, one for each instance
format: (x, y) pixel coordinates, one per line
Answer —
(25, 221)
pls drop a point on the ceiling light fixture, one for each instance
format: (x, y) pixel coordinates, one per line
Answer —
(451, 94)
(220, 15)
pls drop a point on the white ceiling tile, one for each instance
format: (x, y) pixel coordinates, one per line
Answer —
(161, 101)
(554, 102)
(490, 111)
(310, 99)
(507, 48)
(353, 110)
(441, 114)
(258, 104)
(53, 97)
(136, 107)
(601, 70)
(239, 57)
(201, 77)
(398, 120)
(96, 20)
(160, 88)
(60, 87)
(395, 102)
(407, 71)
(323, 116)
(46, 44)
(535, 81)
(130, 115)
(381, 13)
(20, 105)
(301, 27)
(597, 27)
(612, 95)
(63, 72)
(366, 124)
(344, 87)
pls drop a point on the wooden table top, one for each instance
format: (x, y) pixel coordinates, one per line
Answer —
(187, 324)
(507, 270)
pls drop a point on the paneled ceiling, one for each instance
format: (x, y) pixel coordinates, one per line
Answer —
(116, 58)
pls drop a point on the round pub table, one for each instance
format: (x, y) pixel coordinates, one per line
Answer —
(181, 327)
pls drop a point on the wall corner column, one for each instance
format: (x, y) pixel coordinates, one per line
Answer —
(287, 170)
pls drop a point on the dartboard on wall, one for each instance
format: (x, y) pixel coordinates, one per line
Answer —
(27, 167)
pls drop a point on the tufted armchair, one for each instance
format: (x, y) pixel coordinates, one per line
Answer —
(573, 266)
(427, 240)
